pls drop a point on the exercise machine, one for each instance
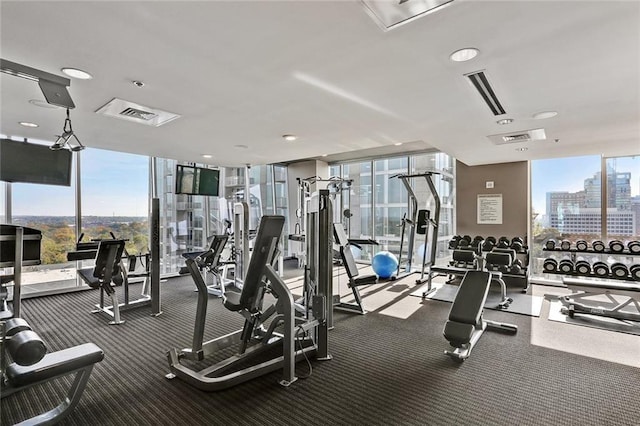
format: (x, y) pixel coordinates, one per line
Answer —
(209, 262)
(624, 296)
(466, 324)
(109, 271)
(300, 335)
(422, 222)
(19, 246)
(32, 366)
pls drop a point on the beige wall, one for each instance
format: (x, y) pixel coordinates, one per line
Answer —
(510, 180)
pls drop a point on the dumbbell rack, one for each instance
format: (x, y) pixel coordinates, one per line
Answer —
(573, 252)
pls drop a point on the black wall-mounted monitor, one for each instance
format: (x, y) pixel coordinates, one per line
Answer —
(32, 163)
(192, 180)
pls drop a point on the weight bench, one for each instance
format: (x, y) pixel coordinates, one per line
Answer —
(466, 325)
(32, 366)
(350, 266)
(575, 304)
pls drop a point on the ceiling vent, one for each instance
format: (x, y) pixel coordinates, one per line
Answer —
(521, 136)
(480, 82)
(130, 111)
(391, 14)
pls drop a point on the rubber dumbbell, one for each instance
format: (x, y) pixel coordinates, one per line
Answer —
(619, 270)
(598, 246)
(463, 243)
(517, 243)
(477, 240)
(600, 269)
(582, 267)
(550, 244)
(582, 245)
(488, 244)
(634, 247)
(634, 270)
(453, 242)
(565, 266)
(550, 265)
(616, 246)
(516, 267)
(467, 238)
(503, 242)
(565, 245)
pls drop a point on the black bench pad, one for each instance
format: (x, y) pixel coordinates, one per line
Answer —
(471, 296)
(87, 276)
(54, 364)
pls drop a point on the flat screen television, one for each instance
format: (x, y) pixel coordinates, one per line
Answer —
(32, 163)
(192, 180)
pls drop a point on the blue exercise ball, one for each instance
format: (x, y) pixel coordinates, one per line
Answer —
(384, 264)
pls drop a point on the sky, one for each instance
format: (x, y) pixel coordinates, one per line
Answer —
(568, 174)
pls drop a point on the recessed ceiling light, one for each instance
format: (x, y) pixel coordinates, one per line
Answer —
(505, 121)
(465, 54)
(524, 148)
(544, 114)
(241, 146)
(28, 124)
(289, 138)
(207, 155)
(76, 73)
(42, 104)
(398, 143)
(324, 155)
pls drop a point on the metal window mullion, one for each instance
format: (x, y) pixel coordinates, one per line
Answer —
(8, 207)
(603, 198)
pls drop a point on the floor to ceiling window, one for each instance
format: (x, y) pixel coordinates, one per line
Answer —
(378, 201)
(568, 205)
(52, 210)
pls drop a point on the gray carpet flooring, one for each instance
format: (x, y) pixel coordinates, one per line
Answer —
(385, 371)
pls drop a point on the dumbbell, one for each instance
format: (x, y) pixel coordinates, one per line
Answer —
(453, 242)
(619, 270)
(516, 267)
(517, 243)
(565, 245)
(582, 267)
(598, 246)
(476, 241)
(503, 242)
(23, 345)
(616, 246)
(582, 245)
(550, 265)
(550, 244)
(467, 238)
(634, 270)
(463, 243)
(601, 269)
(489, 243)
(634, 247)
(565, 266)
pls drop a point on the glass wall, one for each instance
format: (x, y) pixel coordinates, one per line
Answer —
(378, 201)
(568, 205)
(52, 210)
(115, 197)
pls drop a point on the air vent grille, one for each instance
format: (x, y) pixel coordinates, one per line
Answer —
(480, 82)
(125, 110)
(138, 113)
(521, 136)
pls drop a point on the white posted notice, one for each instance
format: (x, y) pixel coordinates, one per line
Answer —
(490, 209)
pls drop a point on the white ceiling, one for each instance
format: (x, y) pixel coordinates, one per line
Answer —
(247, 72)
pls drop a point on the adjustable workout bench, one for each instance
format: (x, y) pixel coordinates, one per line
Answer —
(32, 366)
(466, 325)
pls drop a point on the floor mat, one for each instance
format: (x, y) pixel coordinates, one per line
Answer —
(523, 304)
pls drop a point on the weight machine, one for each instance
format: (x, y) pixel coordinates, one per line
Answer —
(419, 222)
